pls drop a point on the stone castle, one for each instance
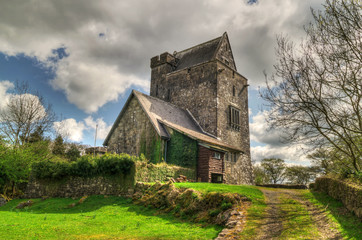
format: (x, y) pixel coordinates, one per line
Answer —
(196, 115)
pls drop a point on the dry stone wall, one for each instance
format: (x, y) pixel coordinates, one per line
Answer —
(77, 187)
(349, 194)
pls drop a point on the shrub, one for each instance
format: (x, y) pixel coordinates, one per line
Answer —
(214, 212)
(226, 206)
(86, 166)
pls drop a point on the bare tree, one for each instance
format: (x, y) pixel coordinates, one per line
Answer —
(316, 91)
(24, 113)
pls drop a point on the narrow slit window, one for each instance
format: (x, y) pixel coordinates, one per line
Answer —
(234, 118)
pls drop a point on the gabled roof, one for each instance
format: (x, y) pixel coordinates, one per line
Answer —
(201, 53)
(162, 113)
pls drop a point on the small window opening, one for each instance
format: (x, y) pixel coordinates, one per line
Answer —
(168, 97)
(217, 155)
(188, 70)
(234, 90)
(233, 74)
(216, 178)
(157, 90)
(234, 117)
(226, 62)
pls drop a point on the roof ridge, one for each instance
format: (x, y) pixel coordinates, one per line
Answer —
(155, 98)
(187, 49)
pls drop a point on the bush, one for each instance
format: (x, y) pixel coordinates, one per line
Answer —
(86, 166)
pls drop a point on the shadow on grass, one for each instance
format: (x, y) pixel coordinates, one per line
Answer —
(351, 225)
(93, 203)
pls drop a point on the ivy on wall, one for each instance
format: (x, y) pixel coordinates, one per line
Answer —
(181, 150)
(151, 147)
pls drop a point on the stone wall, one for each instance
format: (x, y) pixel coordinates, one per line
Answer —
(148, 172)
(192, 88)
(77, 187)
(135, 134)
(239, 172)
(349, 194)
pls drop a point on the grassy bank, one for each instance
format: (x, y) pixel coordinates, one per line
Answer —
(255, 212)
(97, 218)
(347, 223)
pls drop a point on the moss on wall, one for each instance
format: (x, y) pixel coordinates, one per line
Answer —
(151, 147)
(148, 172)
(181, 150)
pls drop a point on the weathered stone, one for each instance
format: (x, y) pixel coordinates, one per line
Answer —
(75, 187)
(2, 201)
(25, 204)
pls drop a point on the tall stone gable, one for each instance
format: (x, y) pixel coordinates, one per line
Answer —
(204, 80)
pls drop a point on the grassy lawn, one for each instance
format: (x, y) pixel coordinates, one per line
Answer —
(348, 224)
(96, 218)
(252, 192)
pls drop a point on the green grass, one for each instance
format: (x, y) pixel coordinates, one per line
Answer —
(297, 223)
(255, 212)
(252, 192)
(348, 224)
(96, 218)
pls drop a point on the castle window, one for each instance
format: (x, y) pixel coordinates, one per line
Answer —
(234, 90)
(168, 97)
(233, 74)
(235, 157)
(234, 117)
(217, 155)
(188, 70)
(226, 62)
(157, 90)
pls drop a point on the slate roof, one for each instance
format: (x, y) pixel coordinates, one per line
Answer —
(163, 114)
(201, 53)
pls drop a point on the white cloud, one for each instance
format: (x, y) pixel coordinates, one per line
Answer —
(109, 43)
(74, 130)
(70, 129)
(271, 144)
(260, 132)
(293, 154)
(4, 95)
(102, 130)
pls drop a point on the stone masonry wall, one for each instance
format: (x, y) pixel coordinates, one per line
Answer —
(239, 172)
(135, 134)
(77, 187)
(193, 89)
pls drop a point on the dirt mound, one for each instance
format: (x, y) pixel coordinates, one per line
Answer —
(215, 208)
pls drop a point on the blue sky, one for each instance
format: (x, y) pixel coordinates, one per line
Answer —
(85, 57)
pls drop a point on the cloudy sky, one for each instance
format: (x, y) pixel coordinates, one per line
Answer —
(85, 56)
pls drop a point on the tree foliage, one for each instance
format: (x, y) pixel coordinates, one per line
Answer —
(315, 94)
(25, 112)
(58, 146)
(274, 169)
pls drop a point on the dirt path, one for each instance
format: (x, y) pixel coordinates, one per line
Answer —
(272, 222)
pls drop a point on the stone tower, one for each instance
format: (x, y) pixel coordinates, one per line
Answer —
(204, 80)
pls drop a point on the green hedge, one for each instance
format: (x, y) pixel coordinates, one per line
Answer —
(86, 166)
(349, 194)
